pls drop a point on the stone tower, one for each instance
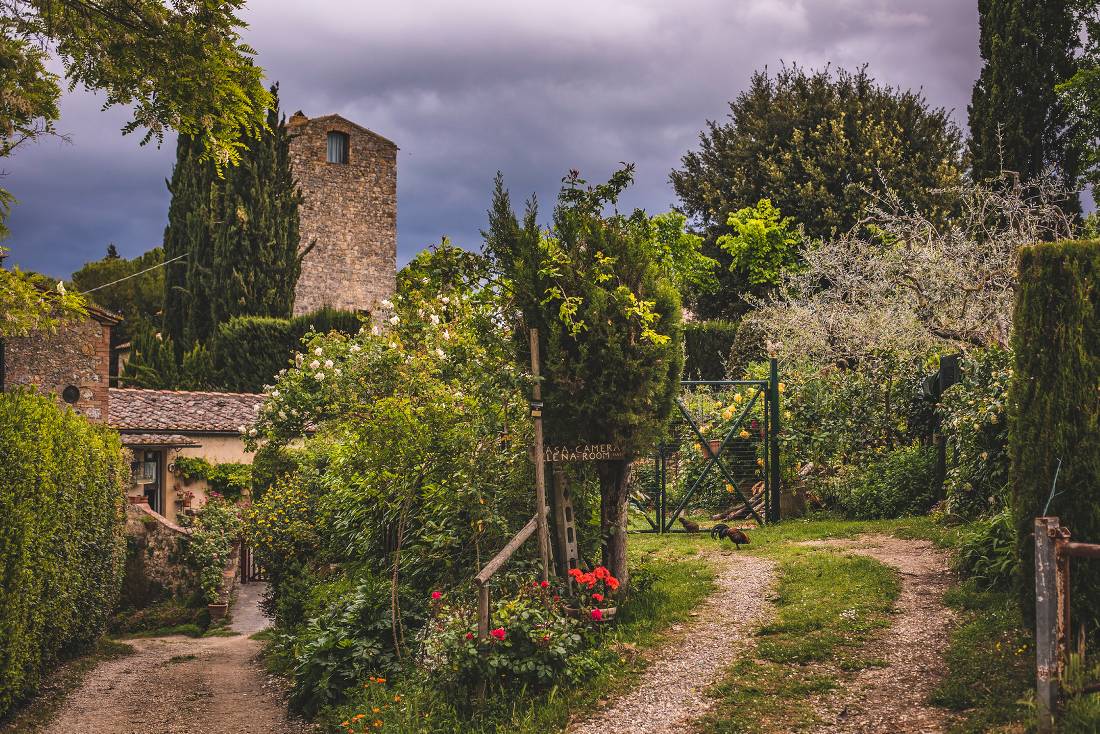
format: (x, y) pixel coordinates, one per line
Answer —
(348, 177)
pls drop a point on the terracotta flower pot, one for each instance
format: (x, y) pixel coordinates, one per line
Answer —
(715, 444)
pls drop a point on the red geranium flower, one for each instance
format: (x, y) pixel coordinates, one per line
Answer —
(597, 615)
(545, 584)
(598, 597)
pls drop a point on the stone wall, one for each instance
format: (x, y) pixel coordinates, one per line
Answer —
(79, 354)
(156, 566)
(349, 212)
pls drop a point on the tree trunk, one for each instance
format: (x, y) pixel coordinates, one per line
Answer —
(614, 480)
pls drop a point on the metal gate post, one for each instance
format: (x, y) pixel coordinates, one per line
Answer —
(1046, 622)
(772, 512)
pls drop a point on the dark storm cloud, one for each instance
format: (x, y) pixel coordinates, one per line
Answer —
(531, 89)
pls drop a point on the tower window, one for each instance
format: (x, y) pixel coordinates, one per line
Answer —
(337, 147)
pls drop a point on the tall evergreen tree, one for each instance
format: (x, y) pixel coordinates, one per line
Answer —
(186, 280)
(238, 232)
(255, 256)
(1017, 121)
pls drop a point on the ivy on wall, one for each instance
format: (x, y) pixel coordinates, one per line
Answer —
(230, 479)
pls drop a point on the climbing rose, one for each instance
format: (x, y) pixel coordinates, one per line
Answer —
(469, 635)
(597, 615)
(498, 633)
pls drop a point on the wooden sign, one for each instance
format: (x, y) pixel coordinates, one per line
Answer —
(583, 452)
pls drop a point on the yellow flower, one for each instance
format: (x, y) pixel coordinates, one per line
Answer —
(729, 488)
(782, 387)
(744, 433)
(738, 397)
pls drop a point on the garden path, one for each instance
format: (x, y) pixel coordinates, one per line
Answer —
(672, 691)
(183, 685)
(894, 697)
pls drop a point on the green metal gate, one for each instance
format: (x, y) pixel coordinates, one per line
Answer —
(725, 434)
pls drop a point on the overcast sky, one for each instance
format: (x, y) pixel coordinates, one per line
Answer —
(529, 88)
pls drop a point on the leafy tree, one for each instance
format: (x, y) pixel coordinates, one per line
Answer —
(763, 244)
(1017, 122)
(152, 364)
(815, 144)
(1081, 96)
(178, 65)
(137, 297)
(608, 315)
(29, 302)
(238, 233)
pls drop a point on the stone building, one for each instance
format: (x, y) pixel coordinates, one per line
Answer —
(348, 177)
(73, 364)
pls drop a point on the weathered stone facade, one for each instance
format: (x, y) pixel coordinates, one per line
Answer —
(77, 356)
(349, 212)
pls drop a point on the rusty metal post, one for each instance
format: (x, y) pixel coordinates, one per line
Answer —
(540, 464)
(1047, 621)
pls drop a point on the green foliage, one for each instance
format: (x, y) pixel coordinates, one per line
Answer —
(812, 143)
(762, 245)
(250, 351)
(1081, 712)
(440, 270)
(1056, 413)
(534, 643)
(707, 346)
(139, 298)
(1080, 96)
(348, 637)
(239, 233)
(601, 290)
(152, 363)
(1017, 122)
(62, 482)
(897, 484)
(214, 533)
(987, 552)
(197, 370)
(228, 479)
(177, 65)
(27, 303)
(975, 422)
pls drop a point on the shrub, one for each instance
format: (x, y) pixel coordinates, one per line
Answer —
(975, 422)
(229, 479)
(61, 543)
(1056, 407)
(897, 484)
(214, 532)
(987, 552)
(349, 636)
(707, 345)
(250, 350)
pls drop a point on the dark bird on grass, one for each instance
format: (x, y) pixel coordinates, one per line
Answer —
(721, 530)
(691, 527)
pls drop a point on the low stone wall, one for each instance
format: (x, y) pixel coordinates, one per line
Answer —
(156, 566)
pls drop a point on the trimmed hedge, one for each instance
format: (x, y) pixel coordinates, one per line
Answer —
(61, 537)
(250, 350)
(1055, 397)
(898, 483)
(707, 345)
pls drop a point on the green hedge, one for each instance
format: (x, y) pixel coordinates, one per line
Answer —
(250, 350)
(707, 345)
(1056, 408)
(898, 483)
(61, 537)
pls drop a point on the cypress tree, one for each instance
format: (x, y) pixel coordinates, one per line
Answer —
(255, 257)
(1017, 122)
(186, 287)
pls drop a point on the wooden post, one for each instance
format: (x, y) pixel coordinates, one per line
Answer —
(483, 612)
(540, 464)
(771, 510)
(564, 525)
(1047, 621)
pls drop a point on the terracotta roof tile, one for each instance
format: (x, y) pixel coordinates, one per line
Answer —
(180, 410)
(158, 439)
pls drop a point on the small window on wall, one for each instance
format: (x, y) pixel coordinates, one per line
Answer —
(337, 147)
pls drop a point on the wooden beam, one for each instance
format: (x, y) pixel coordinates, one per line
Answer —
(506, 552)
(540, 463)
(1046, 622)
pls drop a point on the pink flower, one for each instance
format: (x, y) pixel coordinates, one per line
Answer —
(498, 633)
(436, 596)
(598, 597)
(597, 615)
(545, 584)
